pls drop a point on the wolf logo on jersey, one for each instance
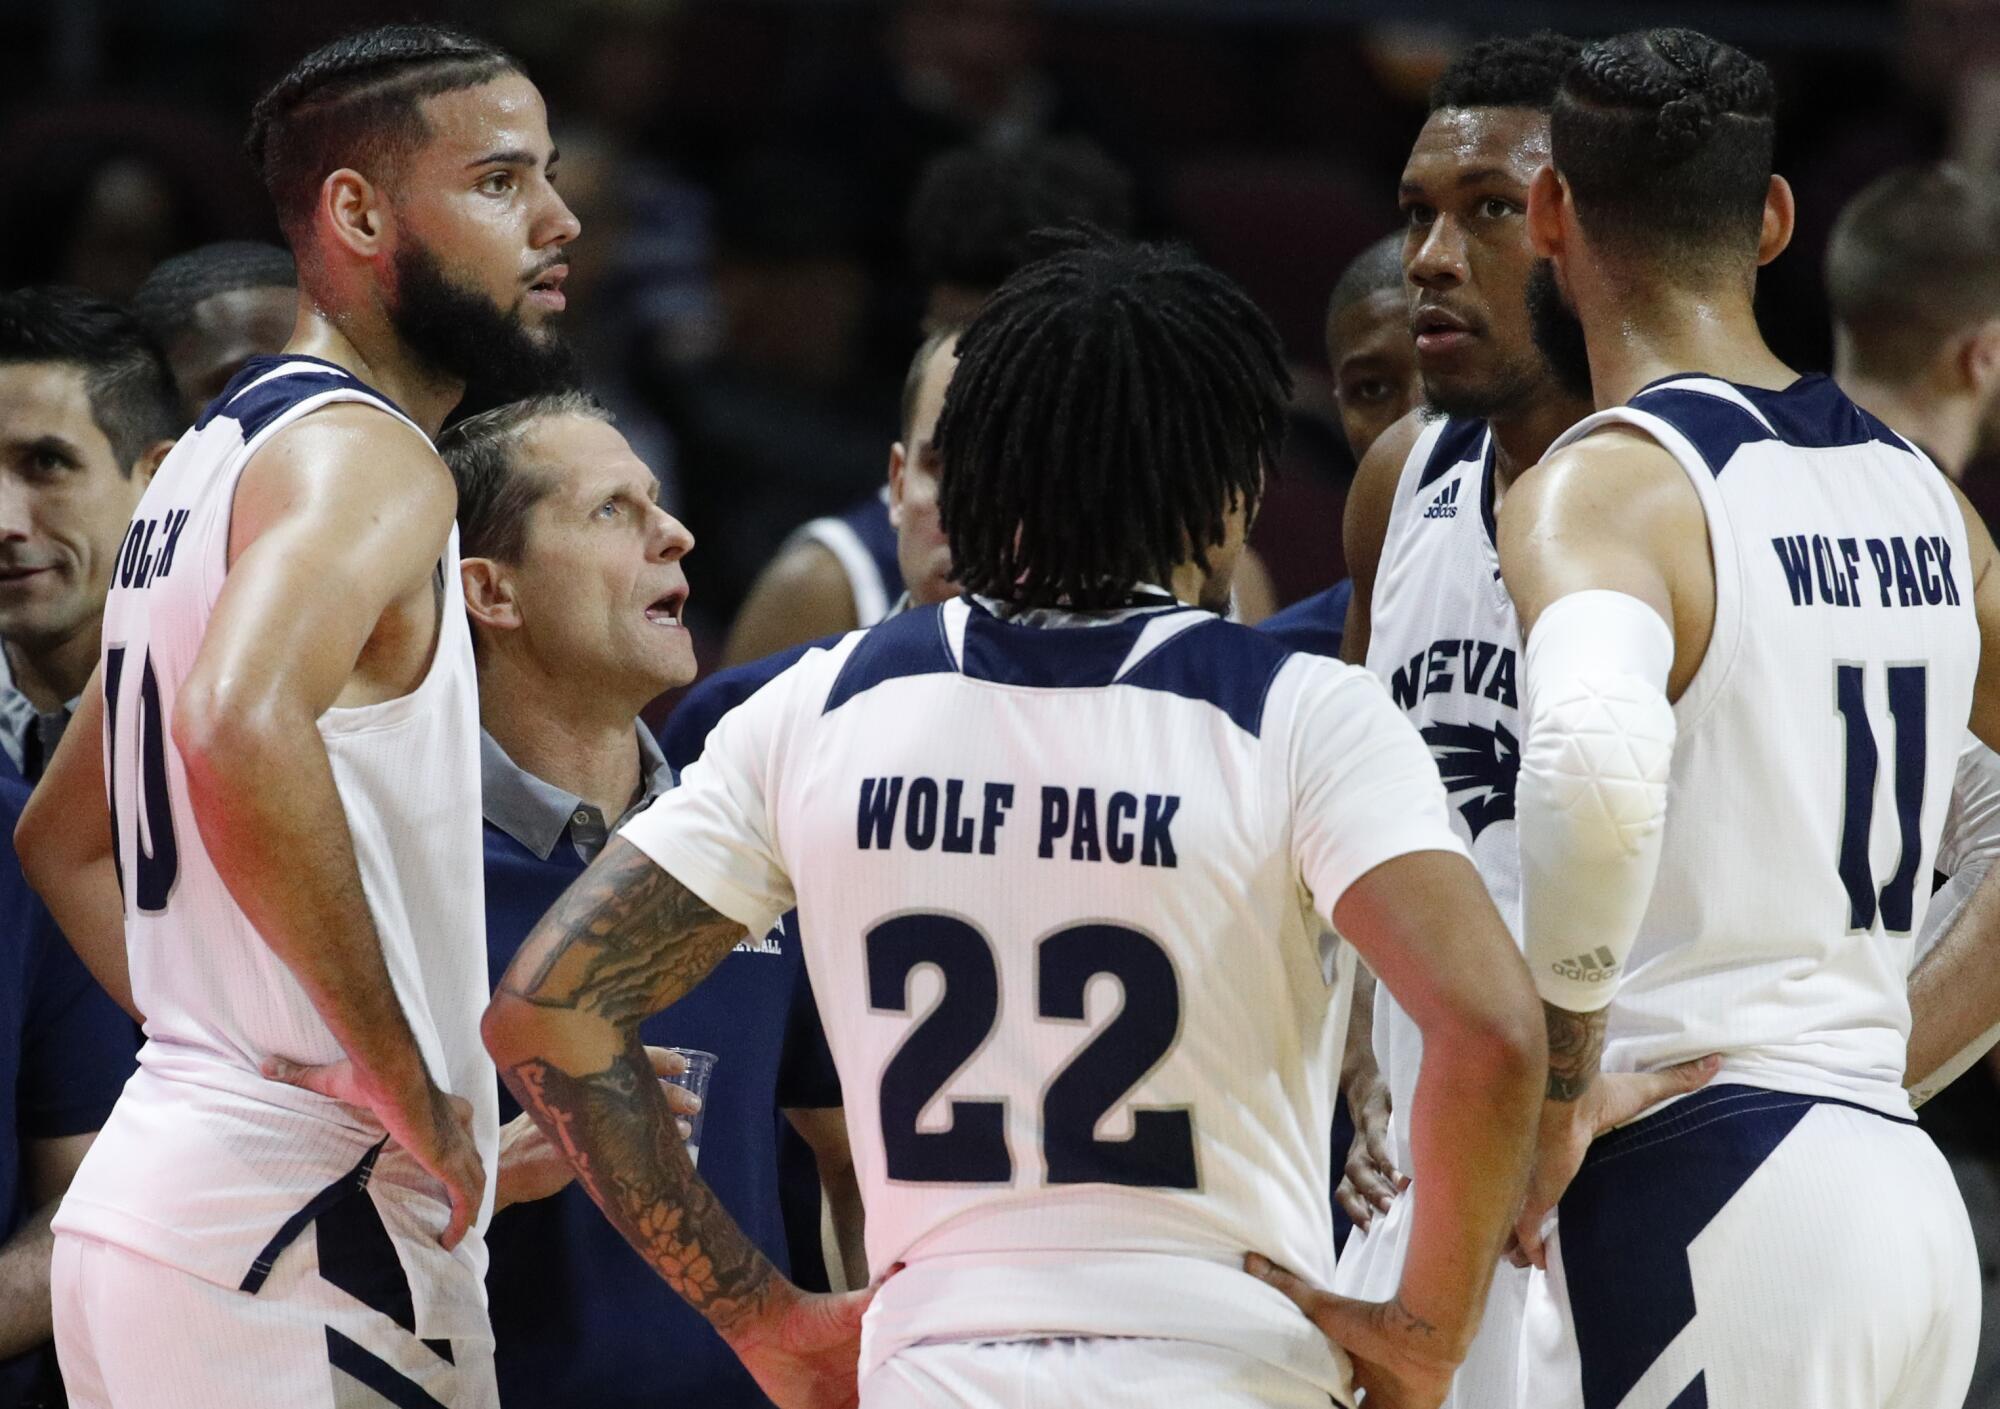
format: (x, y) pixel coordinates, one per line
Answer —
(1480, 761)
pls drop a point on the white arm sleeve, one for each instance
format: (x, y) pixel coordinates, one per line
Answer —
(1591, 800)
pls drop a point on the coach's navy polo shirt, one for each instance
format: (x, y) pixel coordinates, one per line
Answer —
(65, 1047)
(1315, 625)
(578, 1317)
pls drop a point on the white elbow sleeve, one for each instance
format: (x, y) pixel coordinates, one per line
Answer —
(1591, 801)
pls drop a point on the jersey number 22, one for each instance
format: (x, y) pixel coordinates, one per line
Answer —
(1158, 1154)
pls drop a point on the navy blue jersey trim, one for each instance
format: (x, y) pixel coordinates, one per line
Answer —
(1642, 1196)
(1219, 663)
(1810, 414)
(1489, 471)
(910, 644)
(256, 407)
(376, 1373)
(870, 522)
(1695, 1396)
(355, 1181)
(1048, 658)
(1715, 426)
(1457, 442)
(357, 1255)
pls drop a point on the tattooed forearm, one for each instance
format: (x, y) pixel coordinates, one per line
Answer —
(625, 940)
(1576, 1042)
(614, 1126)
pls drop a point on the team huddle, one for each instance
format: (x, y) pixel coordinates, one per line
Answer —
(1596, 871)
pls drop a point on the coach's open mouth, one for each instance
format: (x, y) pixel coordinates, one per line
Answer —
(667, 610)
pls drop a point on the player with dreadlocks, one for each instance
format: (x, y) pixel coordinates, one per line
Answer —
(1754, 618)
(1063, 849)
(264, 830)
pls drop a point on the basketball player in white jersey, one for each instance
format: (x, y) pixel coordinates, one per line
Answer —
(1754, 618)
(285, 1206)
(1064, 849)
(1431, 617)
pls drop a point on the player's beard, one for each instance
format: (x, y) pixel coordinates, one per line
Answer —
(1557, 331)
(462, 334)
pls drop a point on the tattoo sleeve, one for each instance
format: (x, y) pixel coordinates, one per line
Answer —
(1576, 1043)
(624, 942)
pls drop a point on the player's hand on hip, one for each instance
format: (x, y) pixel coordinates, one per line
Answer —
(1371, 1180)
(532, 1166)
(805, 1353)
(434, 1127)
(1400, 1362)
(1568, 1127)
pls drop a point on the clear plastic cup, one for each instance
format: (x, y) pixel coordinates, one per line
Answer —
(700, 1067)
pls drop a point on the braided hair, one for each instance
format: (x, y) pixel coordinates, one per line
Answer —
(1112, 404)
(356, 102)
(1665, 139)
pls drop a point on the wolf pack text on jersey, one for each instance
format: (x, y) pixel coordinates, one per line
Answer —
(1913, 572)
(1122, 828)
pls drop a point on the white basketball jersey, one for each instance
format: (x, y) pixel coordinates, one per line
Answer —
(1063, 880)
(1444, 638)
(1816, 748)
(203, 1161)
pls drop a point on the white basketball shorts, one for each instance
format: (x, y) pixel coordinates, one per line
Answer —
(1754, 1249)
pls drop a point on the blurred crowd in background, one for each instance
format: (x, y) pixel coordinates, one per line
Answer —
(775, 194)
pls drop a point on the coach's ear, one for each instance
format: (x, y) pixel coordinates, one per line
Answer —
(1548, 198)
(489, 594)
(1780, 212)
(899, 460)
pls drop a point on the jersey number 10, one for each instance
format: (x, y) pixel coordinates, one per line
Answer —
(1907, 691)
(1158, 1154)
(158, 859)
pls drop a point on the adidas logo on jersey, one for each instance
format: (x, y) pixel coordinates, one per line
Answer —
(1445, 506)
(1595, 967)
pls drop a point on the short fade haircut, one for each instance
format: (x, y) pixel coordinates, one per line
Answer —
(1665, 137)
(496, 490)
(1377, 269)
(1507, 72)
(166, 302)
(131, 390)
(1914, 259)
(976, 209)
(1112, 403)
(913, 380)
(357, 102)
